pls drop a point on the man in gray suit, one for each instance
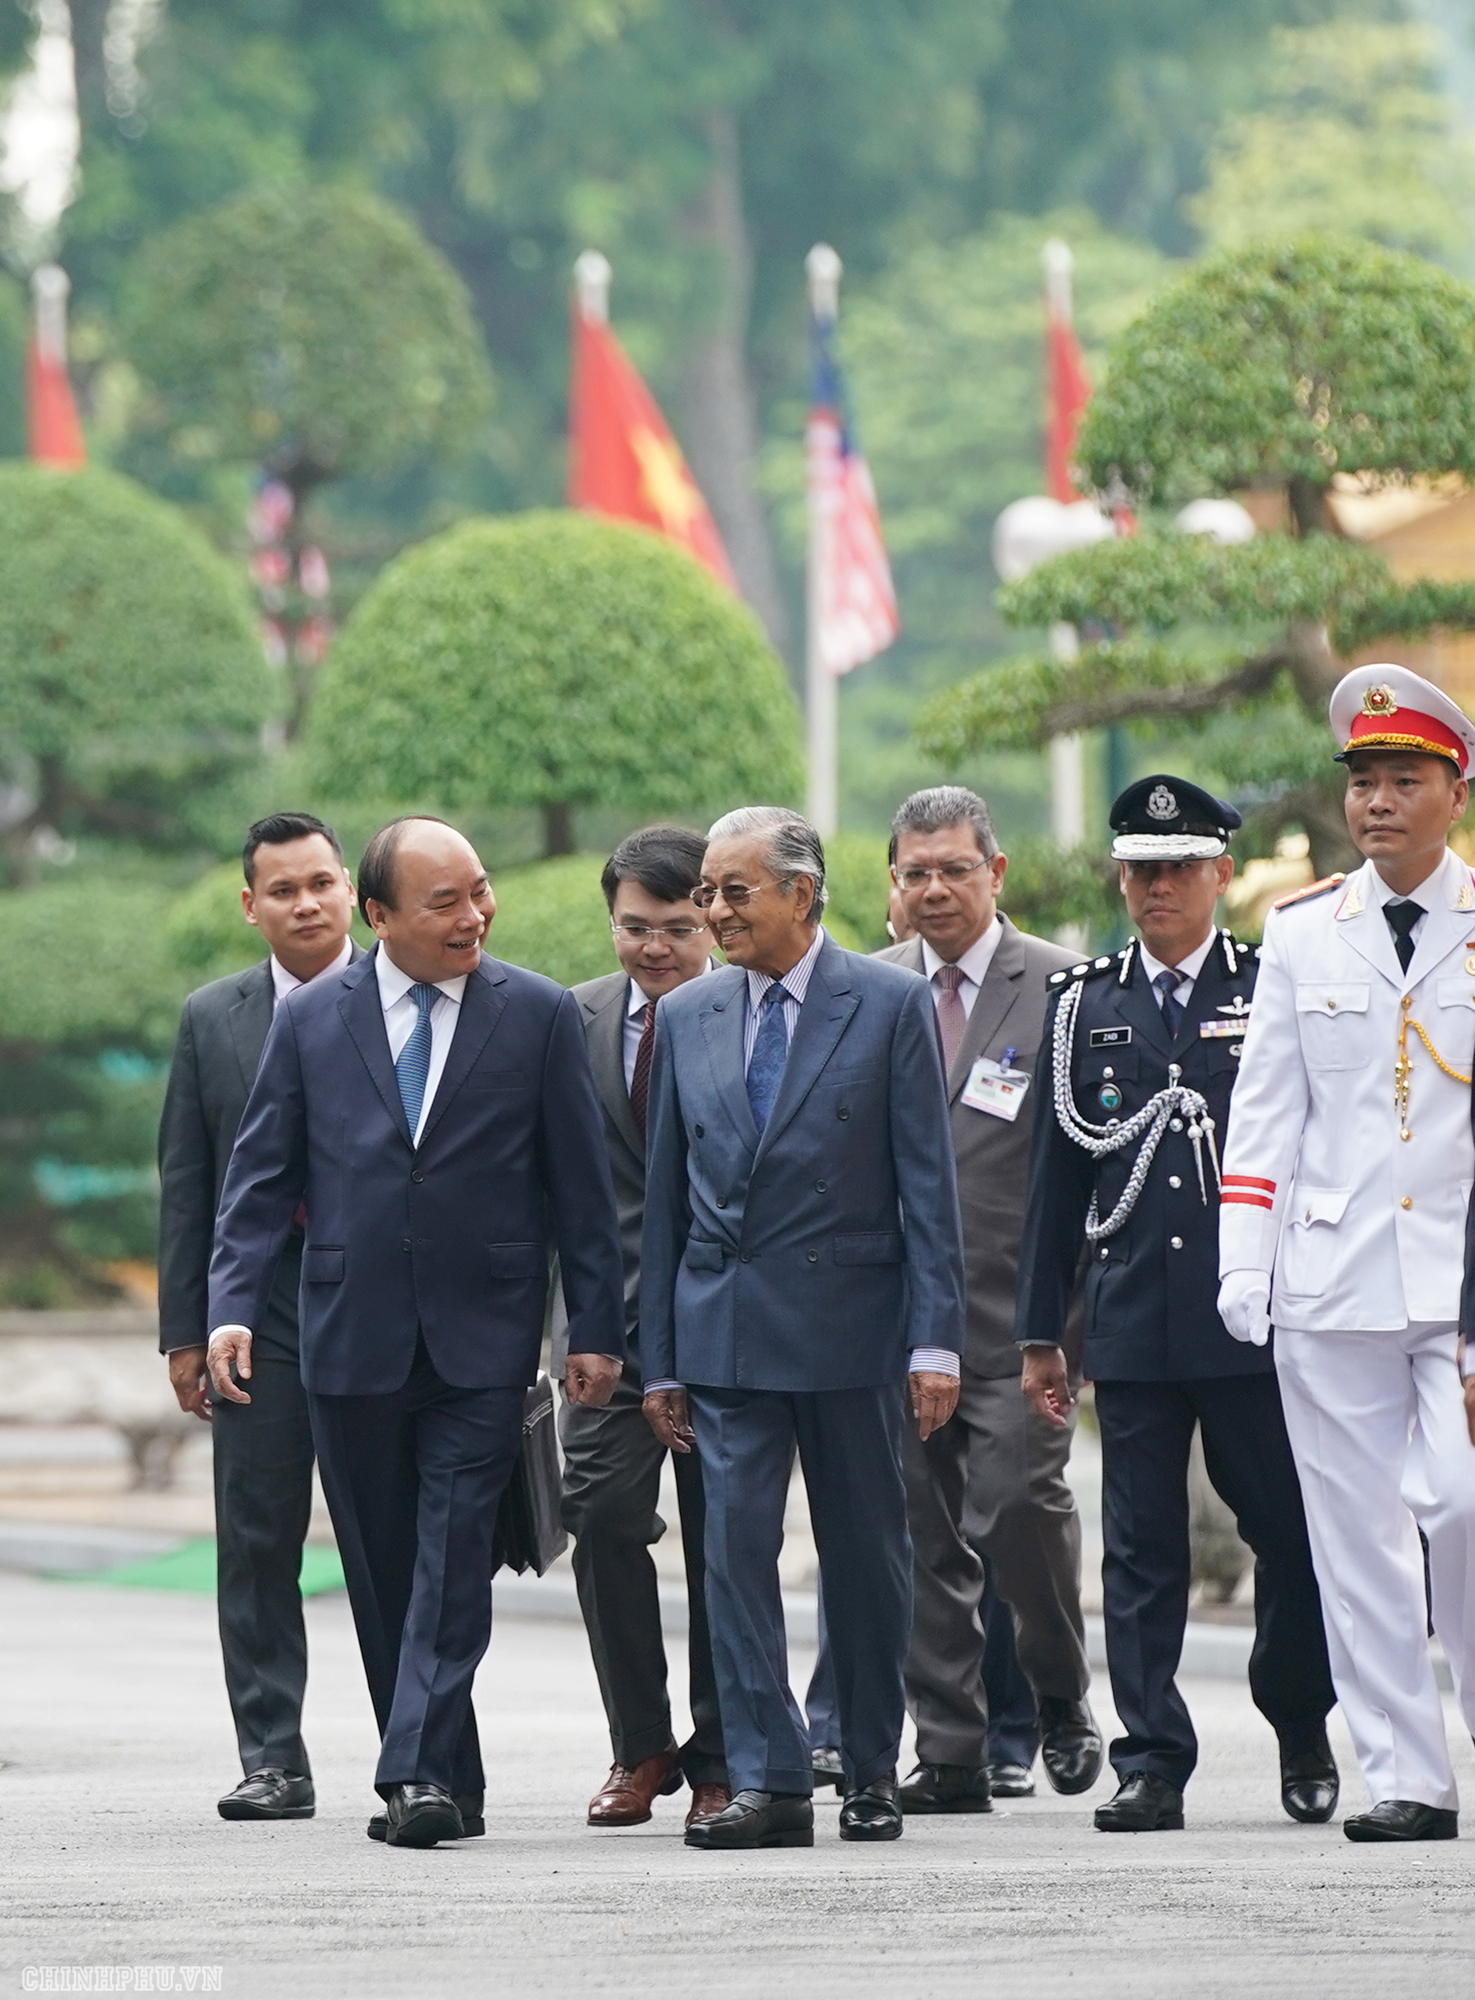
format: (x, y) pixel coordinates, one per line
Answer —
(990, 1489)
(801, 1263)
(299, 897)
(612, 1457)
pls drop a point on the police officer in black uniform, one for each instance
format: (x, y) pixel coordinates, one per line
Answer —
(1132, 1092)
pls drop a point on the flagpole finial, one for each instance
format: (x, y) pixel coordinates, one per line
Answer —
(823, 267)
(1059, 263)
(50, 289)
(592, 275)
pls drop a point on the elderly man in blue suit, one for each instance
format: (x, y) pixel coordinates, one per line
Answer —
(432, 1111)
(801, 1261)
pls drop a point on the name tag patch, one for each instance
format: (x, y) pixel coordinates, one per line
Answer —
(994, 1089)
(1110, 1038)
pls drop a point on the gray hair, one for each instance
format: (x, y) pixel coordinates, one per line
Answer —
(794, 846)
(942, 806)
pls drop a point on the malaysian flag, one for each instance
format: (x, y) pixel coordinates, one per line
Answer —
(852, 606)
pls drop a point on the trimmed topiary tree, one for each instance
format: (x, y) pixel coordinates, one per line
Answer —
(132, 679)
(1276, 367)
(554, 660)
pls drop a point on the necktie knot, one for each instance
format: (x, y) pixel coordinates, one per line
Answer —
(424, 997)
(776, 994)
(1167, 983)
(949, 977)
(1401, 920)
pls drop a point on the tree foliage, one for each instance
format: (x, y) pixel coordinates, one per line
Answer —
(313, 330)
(554, 660)
(130, 670)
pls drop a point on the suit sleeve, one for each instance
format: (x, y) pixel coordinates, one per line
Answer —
(667, 1220)
(264, 1183)
(926, 1177)
(186, 1199)
(1267, 1116)
(581, 1194)
(1057, 1200)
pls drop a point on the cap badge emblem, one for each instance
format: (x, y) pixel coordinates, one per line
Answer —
(1379, 701)
(1161, 803)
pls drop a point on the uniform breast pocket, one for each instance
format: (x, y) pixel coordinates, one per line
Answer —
(1455, 1036)
(1334, 1027)
(1309, 1240)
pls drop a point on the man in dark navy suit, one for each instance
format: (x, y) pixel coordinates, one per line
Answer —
(433, 1111)
(1136, 1068)
(801, 1272)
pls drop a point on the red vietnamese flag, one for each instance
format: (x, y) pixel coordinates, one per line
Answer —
(623, 460)
(1069, 384)
(54, 429)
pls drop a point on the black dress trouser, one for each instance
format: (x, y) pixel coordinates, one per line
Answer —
(263, 1455)
(1146, 1432)
(612, 1463)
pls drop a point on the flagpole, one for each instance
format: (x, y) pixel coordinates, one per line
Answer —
(822, 267)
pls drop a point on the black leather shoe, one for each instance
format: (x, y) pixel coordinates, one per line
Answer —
(829, 1769)
(270, 1794)
(944, 1788)
(1145, 1803)
(873, 1812)
(468, 1804)
(1309, 1784)
(1403, 1819)
(420, 1815)
(759, 1819)
(1071, 1749)
(1010, 1781)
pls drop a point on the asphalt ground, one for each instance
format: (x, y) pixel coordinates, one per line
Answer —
(116, 1742)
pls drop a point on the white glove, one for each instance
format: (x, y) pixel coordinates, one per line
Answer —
(1244, 1305)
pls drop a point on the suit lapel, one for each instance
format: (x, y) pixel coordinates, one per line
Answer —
(1360, 922)
(823, 1018)
(250, 1019)
(607, 1061)
(1001, 987)
(363, 1016)
(1447, 926)
(1202, 1000)
(482, 1001)
(723, 1016)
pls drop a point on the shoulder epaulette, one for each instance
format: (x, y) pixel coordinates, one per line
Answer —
(1322, 888)
(1236, 951)
(1088, 968)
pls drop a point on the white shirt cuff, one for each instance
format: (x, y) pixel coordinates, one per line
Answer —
(653, 1388)
(934, 1361)
(215, 1332)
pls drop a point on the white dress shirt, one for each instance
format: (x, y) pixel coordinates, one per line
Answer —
(973, 965)
(401, 1014)
(936, 1360)
(1187, 968)
(284, 982)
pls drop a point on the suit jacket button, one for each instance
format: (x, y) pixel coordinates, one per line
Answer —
(699, 1131)
(1105, 1253)
(406, 1243)
(821, 1187)
(1174, 1180)
(746, 1256)
(842, 1114)
(722, 1201)
(812, 1255)
(417, 1176)
(1175, 1242)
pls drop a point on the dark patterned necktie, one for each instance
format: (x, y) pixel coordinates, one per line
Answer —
(640, 1075)
(1167, 984)
(1401, 920)
(951, 1017)
(770, 1053)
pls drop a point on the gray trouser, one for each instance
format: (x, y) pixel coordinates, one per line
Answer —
(989, 1487)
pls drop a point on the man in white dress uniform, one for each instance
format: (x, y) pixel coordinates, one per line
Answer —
(1347, 1176)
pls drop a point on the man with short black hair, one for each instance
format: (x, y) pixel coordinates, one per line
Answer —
(987, 1492)
(299, 897)
(612, 1458)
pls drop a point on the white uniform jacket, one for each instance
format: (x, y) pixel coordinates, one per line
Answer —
(1363, 1229)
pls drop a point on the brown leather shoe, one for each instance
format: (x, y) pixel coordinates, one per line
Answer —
(625, 1797)
(706, 1802)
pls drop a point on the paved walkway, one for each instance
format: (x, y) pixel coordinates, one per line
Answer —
(115, 1739)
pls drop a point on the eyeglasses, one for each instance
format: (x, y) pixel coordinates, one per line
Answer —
(677, 933)
(950, 871)
(734, 894)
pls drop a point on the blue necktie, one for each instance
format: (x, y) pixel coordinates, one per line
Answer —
(770, 1053)
(413, 1067)
(1167, 983)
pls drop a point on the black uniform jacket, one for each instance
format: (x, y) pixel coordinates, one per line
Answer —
(1152, 1287)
